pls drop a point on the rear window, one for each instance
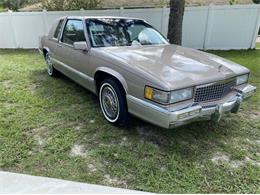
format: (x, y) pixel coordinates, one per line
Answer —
(58, 29)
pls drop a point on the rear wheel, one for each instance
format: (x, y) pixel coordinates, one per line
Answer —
(113, 103)
(50, 69)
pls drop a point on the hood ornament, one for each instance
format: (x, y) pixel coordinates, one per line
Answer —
(219, 68)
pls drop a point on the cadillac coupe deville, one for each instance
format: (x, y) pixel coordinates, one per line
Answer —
(134, 70)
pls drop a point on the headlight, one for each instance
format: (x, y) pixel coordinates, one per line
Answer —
(242, 79)
(156, 95)
(181, 95)
(165, 97)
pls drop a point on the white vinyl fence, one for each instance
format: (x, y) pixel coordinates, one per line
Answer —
(207, 27)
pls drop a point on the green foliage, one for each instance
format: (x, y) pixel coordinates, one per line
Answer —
(163, 3)
(1, 8)
(53, 4)
(256, 1)
(12, 4)
(232, 2)
(70, 4)
(78, 4)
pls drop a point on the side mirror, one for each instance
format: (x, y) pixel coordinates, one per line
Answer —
(80, 46)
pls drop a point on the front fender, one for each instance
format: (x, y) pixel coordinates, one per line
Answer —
(115, 74)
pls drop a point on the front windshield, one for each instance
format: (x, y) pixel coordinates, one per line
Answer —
(122, 32)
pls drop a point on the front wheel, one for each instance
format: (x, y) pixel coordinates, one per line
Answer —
(113, 103)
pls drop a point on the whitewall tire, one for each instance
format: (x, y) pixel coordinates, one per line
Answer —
(113, 102)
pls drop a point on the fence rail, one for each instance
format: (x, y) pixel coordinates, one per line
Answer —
(207, 27)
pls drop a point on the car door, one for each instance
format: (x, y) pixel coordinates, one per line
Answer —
(52, 44)
(74, 63)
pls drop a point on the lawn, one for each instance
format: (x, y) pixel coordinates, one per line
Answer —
(258, 45)
(53, 127)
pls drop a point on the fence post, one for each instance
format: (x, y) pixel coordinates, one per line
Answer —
(121, 11)
(44, 15)
(208, 26)
(82, 11)
(13, 28)
(257, 26)
(163, 21)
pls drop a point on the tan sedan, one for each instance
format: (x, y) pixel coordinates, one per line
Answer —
(133, 69)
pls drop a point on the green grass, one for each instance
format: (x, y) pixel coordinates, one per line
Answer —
(53, 127)
(257, 45)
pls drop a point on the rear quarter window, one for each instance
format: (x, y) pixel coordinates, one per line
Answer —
(58, 29)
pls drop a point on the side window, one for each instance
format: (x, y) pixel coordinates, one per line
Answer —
(73, 32)
(58, 29)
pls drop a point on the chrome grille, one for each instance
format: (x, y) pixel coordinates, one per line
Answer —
(214, 91)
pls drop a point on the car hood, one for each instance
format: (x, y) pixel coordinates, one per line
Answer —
(177, 66)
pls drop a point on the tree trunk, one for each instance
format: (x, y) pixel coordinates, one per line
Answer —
(175, 21)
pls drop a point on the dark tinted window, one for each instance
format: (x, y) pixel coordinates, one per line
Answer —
(58, 29)
(73, 32)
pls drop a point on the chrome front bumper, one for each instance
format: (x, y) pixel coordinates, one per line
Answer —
(170, 119)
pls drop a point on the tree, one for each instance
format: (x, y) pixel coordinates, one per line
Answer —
(256, 1)
(12, 4)
(80, 4)
(175, 21)
(232, 2)
(56, 5)
(53, 5)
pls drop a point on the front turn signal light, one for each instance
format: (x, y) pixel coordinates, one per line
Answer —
(148, 93)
